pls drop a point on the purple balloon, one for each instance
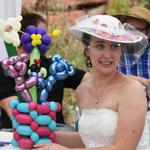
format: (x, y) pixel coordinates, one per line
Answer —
(31, 29)
(46, 39)
(27, 47)
(25, 38)
(43, 48)
(41, 31)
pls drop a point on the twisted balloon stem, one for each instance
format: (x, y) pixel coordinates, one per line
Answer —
(35, 54)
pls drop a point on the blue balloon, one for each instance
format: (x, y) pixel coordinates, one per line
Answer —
(49, 86)
(56, 57)
(42, 83)
(43, 96)
(51, 79)
(61, 75)
(60, 67)
(71, 71)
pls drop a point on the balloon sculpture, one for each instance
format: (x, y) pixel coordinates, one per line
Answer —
(34, 120)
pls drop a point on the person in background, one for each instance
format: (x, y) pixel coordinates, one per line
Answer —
(112, 106)
(139, 18)
(7, 84)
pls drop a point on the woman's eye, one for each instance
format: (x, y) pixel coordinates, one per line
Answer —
(115, 46)
(99, 46)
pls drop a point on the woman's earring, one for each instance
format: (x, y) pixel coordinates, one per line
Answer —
(88, 62)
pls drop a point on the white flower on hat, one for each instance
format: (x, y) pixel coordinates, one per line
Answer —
(9, 30)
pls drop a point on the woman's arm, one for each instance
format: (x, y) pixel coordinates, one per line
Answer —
(69, 139)
(5, 104)
(142, 80)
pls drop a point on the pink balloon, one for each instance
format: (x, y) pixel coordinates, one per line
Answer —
(19, 65)
(5, 63)
(26, 95)
(19, 80)
(24, 57)
(30, 82)
(23, 70)
(12, 72)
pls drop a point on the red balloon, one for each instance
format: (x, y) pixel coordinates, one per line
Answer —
(43, 131)
(44, 109)
(34, 126)
(24, 118)
(25, 143)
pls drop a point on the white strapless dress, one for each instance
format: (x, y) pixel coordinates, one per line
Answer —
(97, 128)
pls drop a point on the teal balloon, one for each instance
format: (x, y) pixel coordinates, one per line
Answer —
(24, 130)
(44, 141)
(34, 137)
(15, 124)
(52, 125)
(23, 107)
(13, 103)
(14, 142)
(33, 114)
(53, 106)
(43, 120)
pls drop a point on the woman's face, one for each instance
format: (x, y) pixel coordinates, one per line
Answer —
(104, 55)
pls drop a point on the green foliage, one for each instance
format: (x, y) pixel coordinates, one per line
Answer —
(145, 3)
(119, 6)
(71, 50)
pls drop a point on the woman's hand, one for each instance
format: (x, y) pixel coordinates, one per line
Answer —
(47, 146)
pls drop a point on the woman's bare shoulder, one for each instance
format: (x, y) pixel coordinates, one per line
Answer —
(86, 85)
(133, 91)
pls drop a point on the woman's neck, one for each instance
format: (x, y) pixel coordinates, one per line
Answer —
(104, 80)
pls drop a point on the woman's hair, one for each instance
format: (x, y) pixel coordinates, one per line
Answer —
(86, 38)
(31, 19)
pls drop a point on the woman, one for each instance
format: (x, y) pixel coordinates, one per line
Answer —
(112, 106)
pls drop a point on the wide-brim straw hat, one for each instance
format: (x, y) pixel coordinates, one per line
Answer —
(104, 27)
(136, 12)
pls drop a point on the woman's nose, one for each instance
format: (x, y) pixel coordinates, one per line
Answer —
(106, 53)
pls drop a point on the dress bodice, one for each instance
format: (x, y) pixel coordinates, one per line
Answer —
(97, 128)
